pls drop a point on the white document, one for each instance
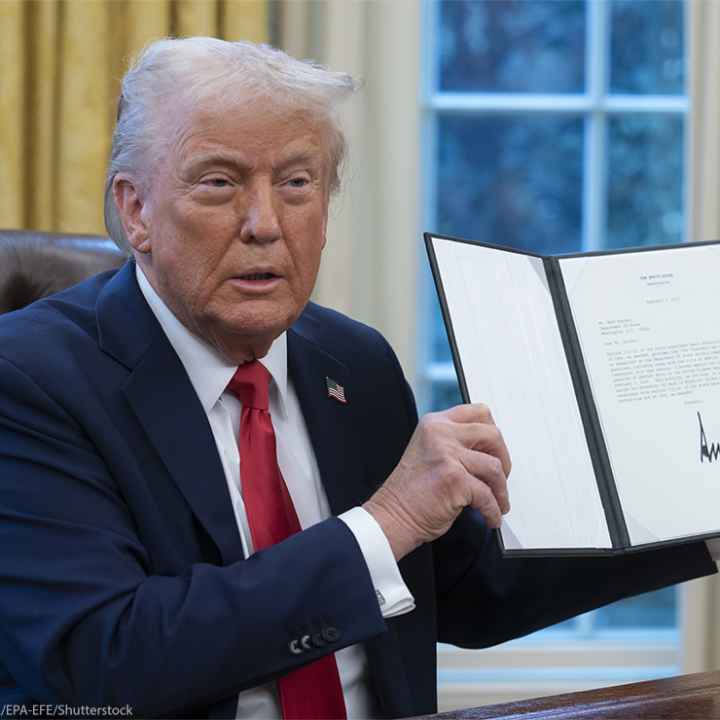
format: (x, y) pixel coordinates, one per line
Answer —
(650, 338)
(513, 360)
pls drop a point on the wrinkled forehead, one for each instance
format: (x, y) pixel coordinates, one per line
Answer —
(251, 124)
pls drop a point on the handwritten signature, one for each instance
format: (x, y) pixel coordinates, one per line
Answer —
(713, 451)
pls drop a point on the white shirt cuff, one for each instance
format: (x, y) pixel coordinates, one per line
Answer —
(392, 593)
(713, 547)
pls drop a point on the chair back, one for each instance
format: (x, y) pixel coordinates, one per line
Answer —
(35, 264)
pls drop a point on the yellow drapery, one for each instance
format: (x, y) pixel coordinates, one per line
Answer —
(61, 64)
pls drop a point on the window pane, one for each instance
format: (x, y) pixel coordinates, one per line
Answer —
(445, 394)
(652, 610)
(564, 626)
(440, 352)
(647, 53)
(512, 180)
(645, 186)
(512, 46)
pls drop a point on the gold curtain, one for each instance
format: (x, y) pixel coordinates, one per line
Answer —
(62, 61)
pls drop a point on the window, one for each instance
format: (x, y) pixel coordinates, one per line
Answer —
(555, 126)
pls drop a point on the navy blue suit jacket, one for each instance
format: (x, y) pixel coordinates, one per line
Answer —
(122, 574)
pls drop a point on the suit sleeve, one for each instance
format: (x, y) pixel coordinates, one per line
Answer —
(484, 598)
(83, 620)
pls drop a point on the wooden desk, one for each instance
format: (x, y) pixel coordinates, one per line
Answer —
(688, 697)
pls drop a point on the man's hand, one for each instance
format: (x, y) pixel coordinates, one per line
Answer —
(455, 459)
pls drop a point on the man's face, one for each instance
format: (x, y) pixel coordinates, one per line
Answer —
(236, 215)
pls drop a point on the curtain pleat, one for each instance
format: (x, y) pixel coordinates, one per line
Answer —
(84, 133)
(196, 18)
(43, 121)
(145, 21)
(12, 114)
(62, 61)
(243, 20)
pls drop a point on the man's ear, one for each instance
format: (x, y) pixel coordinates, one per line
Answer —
(131, 207)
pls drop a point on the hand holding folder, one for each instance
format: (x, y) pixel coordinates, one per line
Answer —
(455, 459)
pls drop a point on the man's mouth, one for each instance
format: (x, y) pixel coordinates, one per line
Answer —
(257, 282)
(258, 276)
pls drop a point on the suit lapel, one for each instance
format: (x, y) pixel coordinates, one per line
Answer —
(329, 421)
(166, 405)
(164, 401)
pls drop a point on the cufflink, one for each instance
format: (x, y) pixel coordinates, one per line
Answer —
(380, 598)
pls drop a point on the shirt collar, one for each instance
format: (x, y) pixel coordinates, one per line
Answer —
(210, 372)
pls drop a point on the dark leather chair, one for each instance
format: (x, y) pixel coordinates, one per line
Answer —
(35, 264)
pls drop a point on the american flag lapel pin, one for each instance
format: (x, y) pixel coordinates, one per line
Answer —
(335, 390)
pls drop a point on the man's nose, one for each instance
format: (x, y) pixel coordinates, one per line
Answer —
(260, 222)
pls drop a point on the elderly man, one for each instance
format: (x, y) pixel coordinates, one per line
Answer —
(214, 499)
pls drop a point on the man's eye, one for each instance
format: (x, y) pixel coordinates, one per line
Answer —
(218, 182)
(298, 182)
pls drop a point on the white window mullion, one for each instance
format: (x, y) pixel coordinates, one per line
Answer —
(594, 171)
(646, 103)
(594, 179)
(428, 191)
(431, 54)
(488, 103)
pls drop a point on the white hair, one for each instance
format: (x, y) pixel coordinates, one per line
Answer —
(201, 69)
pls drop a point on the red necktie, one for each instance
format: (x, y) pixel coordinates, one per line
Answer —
(313, 691)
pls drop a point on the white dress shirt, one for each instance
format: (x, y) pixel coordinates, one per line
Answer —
(210, 374)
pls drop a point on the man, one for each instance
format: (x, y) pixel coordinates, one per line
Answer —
(177, 547)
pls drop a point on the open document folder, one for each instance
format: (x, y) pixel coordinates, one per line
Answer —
(603, 372)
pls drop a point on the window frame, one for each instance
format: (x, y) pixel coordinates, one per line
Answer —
(548, 663)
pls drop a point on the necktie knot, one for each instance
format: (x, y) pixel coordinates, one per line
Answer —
(250, 385)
